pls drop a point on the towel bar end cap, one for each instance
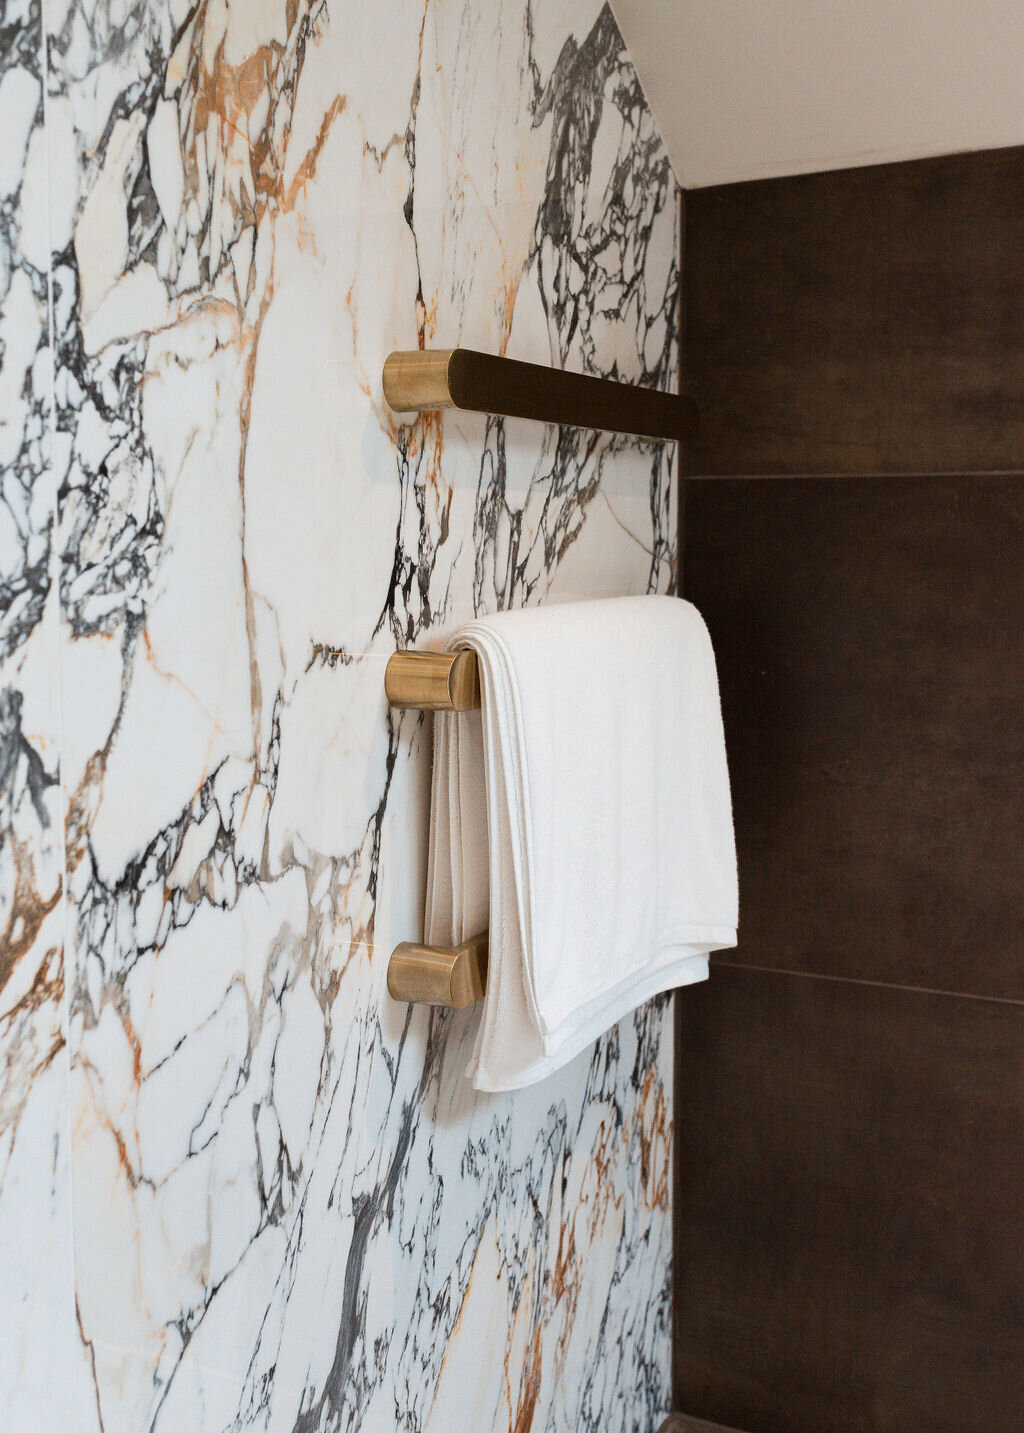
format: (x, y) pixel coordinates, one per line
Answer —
(417, 381)
(438, 975)
(433, 681)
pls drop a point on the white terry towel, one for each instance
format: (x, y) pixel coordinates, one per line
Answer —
(584, 816)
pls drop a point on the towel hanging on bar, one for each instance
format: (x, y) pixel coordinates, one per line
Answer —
(611, 861)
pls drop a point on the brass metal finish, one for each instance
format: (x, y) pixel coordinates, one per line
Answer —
(483, 383)
(414, 382)
(438, 975)
(433, 681)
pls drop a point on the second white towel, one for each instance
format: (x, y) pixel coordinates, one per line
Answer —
(584, 817)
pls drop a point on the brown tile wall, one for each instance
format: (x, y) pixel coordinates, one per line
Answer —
(850, 1085)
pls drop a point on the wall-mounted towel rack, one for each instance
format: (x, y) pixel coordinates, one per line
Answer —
(435, 974)
(450, 681)
(483, 383)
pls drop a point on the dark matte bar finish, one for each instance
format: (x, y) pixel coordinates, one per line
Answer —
(488, 384)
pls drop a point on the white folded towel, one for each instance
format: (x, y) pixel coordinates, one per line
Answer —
(584, 816)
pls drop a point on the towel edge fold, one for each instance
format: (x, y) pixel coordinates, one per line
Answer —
(690, 970)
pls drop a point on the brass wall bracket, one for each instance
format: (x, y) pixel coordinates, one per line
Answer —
(436, 974)
(420, 380)
(433, 681)
(439, 975)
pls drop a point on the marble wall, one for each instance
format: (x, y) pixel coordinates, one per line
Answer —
(239, 1187)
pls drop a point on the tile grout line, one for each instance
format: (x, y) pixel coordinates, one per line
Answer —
(862, 980)
(853, 475)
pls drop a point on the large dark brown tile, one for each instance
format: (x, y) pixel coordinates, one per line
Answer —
(849, 1197)
(869, 320)
(870, 644)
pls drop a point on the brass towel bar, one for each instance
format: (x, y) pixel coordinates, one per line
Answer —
(436, 974)
(484, 383)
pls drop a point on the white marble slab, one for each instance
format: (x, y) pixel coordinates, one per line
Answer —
(290, 1210)
(37, 1334)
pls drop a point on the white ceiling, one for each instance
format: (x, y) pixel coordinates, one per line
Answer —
(743, 89)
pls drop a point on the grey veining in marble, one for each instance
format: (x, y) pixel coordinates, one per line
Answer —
(290, 1211)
